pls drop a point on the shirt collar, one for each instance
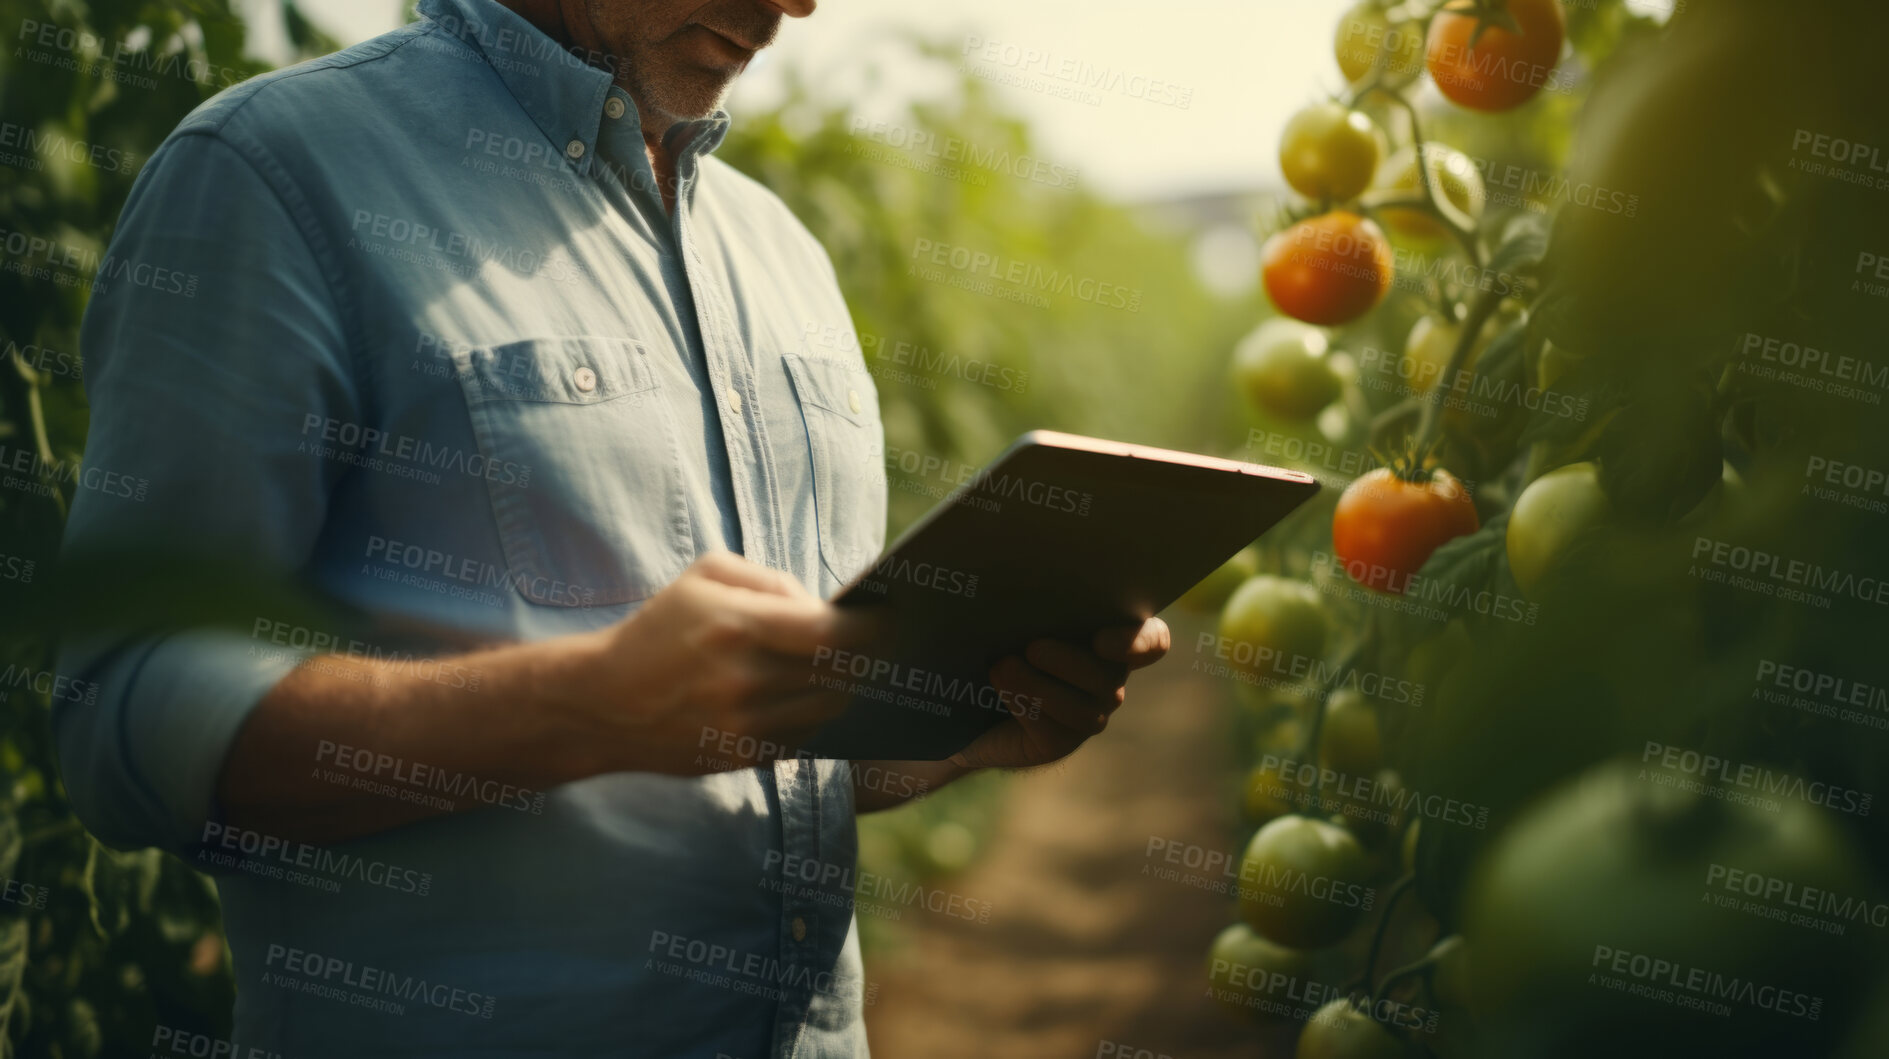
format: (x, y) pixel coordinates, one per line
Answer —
(563, 94)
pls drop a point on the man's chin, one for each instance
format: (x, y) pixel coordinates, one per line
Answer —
(687, 95)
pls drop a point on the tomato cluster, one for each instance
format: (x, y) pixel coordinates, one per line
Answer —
(1509, 784)
(1392, 233)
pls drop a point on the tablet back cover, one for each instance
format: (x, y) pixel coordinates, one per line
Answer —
(1060, 536)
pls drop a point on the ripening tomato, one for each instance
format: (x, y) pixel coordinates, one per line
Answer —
(1386, 526)
(1501, 69)
(1327, 270)
(1329, 152)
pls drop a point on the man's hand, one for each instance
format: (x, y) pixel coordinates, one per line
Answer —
(713, 673)
(1077, 691)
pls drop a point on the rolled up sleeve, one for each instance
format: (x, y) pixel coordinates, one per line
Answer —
(213, 338)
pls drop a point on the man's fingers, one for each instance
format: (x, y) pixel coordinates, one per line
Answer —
(1135, 646)
(798, 626)
(1062, 705)
(1079, 668)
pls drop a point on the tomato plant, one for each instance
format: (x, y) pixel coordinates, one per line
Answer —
(1593, 304)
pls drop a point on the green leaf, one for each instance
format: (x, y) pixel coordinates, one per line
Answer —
(1524, 244)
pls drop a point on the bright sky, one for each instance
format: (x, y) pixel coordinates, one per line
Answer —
(1243, 67)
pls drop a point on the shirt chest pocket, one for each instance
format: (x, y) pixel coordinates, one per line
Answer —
(594, 512)
(846, 444)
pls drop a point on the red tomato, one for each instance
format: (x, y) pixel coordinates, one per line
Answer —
(1385, 527)
(1503, 69)
(1327, 270)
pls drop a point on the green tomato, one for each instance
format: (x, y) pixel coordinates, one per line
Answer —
(1550, 515)
(1270, 622)
(1432, 342)
(1455, 181)
(1365, 32)
(1349, 741)
(1302, 882)
(1570, 910)
(1246, 970)
(1281, 369)
(1267, 794)
(1329, 153)
(1341, 1031)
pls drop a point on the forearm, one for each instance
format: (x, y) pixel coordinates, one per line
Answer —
(496, 722)
(881, 785)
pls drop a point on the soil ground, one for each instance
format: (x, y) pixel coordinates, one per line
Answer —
(1082, 947)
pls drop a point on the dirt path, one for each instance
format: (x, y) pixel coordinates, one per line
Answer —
(1082, 947)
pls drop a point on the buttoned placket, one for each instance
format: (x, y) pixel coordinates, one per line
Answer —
(730, 370)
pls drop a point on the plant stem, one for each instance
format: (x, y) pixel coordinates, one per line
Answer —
(1397, 891)
(1409, 970)
(1484, 307)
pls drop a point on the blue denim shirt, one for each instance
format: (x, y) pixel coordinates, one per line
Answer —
(445, 356)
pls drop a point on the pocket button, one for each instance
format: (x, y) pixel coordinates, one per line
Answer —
(585, 379)
(734, 400)
(852, 400)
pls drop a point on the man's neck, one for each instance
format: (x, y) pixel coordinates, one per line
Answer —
(574, 32)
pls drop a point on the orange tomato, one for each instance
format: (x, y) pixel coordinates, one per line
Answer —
(1386, 527)
(1327, 270)
(1502, 69)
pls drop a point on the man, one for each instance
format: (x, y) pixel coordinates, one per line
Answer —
(487, 348)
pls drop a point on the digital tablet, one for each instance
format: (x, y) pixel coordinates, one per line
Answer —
(1060, 536)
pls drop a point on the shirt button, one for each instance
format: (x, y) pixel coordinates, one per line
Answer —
(800, 929)
(575, 148)
(852, 400)
(613, 107)
(734, 400)
(585, 379)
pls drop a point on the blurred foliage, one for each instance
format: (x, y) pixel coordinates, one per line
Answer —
(125, 942)
(108, 944)
(881, 208)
